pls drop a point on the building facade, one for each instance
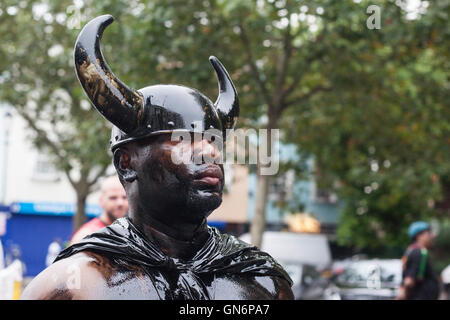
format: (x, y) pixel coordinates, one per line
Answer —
(37, 202)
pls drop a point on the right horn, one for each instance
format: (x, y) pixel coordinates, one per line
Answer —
(118, 103)
(227, 103)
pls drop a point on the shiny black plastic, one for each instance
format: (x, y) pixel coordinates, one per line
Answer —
(152, 110)
(172, 278)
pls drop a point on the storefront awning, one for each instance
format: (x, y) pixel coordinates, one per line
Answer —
(52, 208)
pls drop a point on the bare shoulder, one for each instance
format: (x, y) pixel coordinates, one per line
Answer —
(284, 289)
(70, 278)
(278, 287)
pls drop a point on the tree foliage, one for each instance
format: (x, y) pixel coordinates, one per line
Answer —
(37, 79)
(382, 136)
(371, 106)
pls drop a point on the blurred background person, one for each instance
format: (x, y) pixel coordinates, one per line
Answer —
(419, 280)
(113, 200)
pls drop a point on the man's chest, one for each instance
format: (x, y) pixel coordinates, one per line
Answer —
(175, 286)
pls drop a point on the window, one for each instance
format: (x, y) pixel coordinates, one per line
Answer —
(321, 196)
(44, 170)
(281, 186)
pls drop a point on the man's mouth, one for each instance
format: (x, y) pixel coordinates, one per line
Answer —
(211, 176)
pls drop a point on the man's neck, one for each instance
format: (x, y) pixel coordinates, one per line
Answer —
(419, 245)
(423, 245)
(105, 219)
(182, 241)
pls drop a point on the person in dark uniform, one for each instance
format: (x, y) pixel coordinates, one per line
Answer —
(164, 248)
(419, 280)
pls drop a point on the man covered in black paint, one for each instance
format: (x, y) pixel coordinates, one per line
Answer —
(164, 248)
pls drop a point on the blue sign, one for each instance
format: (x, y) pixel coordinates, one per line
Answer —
(217, 224)
(52, 208)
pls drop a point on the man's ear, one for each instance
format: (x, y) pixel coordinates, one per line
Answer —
(122, 162)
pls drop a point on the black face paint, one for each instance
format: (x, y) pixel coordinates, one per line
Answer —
(180, 196)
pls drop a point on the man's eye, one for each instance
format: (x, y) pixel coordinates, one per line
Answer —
(175, 142)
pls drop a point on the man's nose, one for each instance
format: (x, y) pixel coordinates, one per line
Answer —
(205, 150)
(121, 202)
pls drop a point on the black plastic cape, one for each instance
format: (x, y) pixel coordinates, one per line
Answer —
(222, 254)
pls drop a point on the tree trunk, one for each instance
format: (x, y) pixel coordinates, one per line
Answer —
(258, 223)
(80, 216)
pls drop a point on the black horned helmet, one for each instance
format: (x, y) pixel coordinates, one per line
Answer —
(152, 110)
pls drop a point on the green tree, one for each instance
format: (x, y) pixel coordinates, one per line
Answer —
(37, 78)
(369, 105)
(382, 135)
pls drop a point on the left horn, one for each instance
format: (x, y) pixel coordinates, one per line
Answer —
(227, 103)
(118, 103)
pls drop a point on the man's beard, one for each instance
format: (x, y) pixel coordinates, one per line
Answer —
(175, 192)
(203, 202)
(111, 216)
(179, 202)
